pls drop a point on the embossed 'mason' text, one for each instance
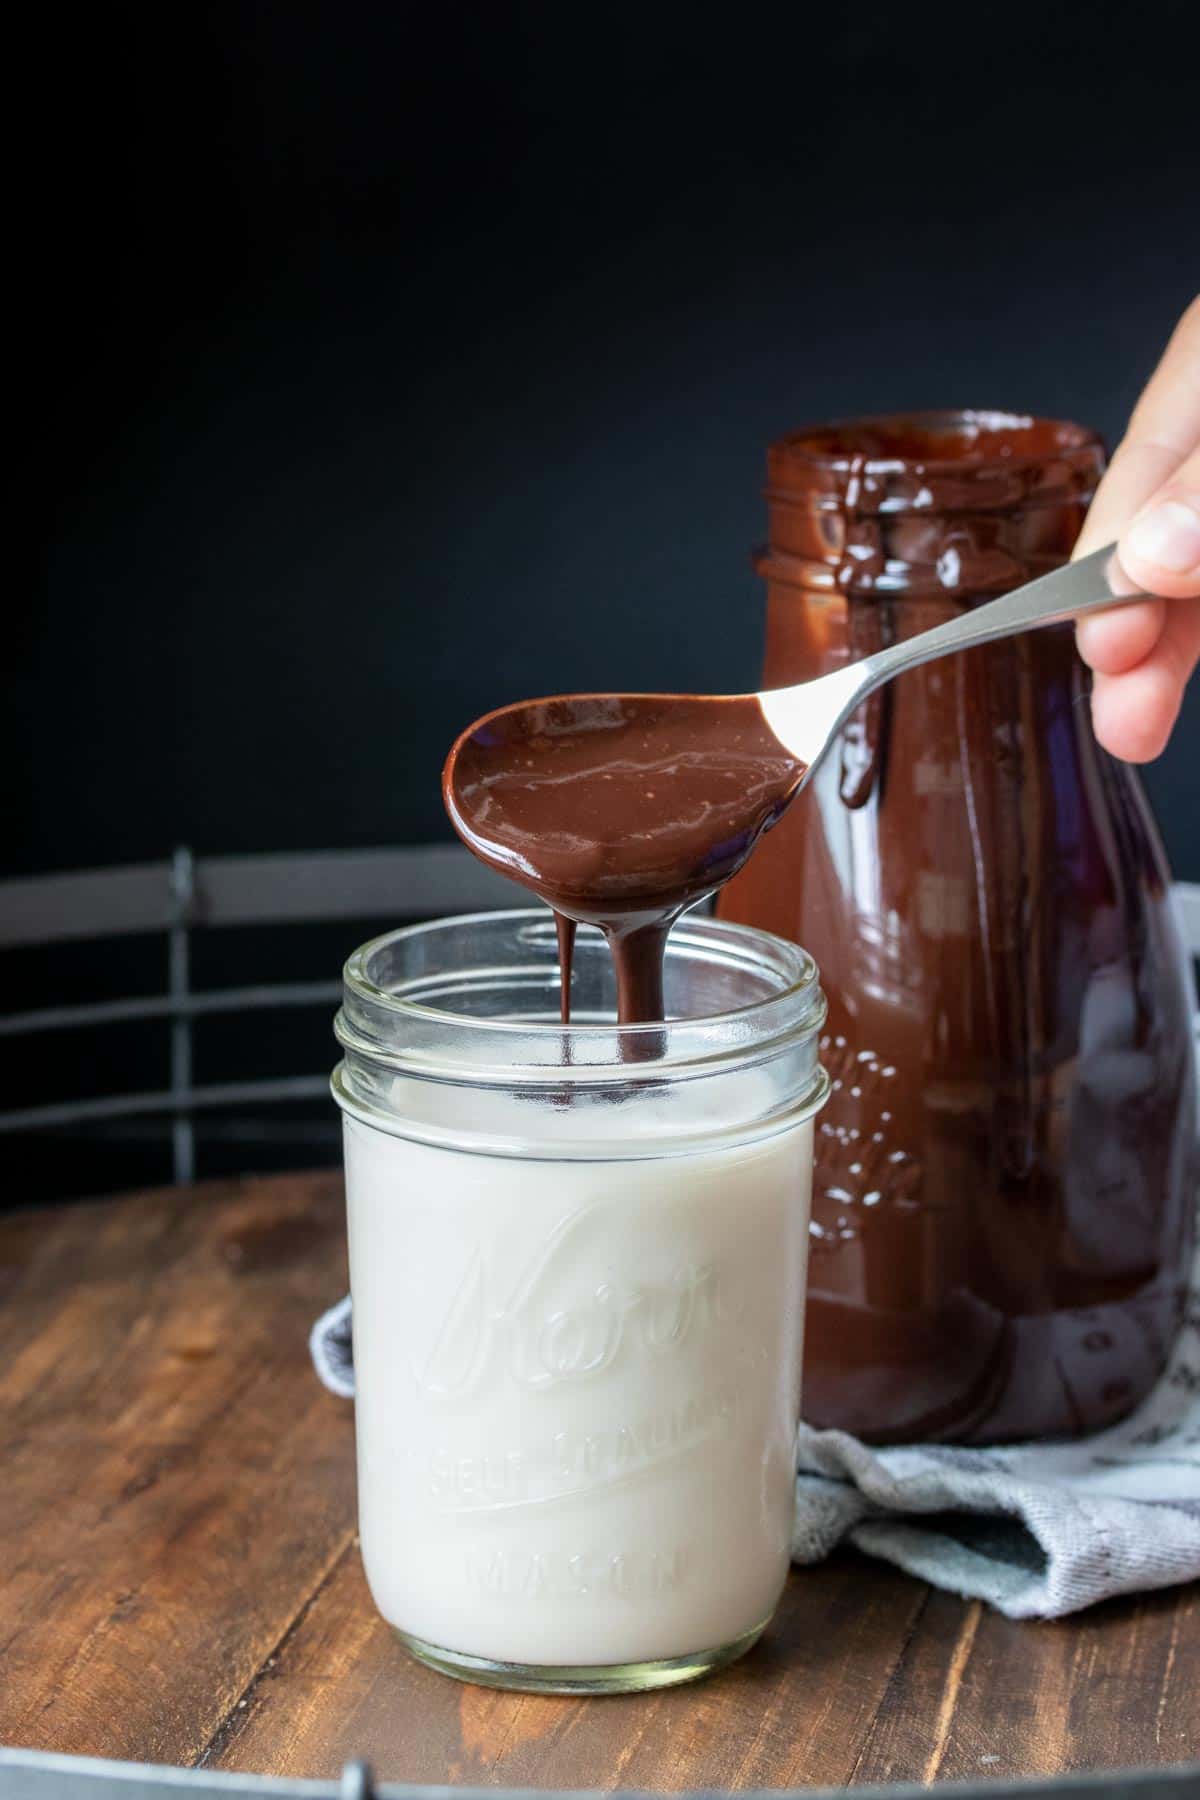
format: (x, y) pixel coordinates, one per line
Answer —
(560, 1575)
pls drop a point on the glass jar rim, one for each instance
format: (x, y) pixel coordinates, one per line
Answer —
(394, 1029)
(1024, 440)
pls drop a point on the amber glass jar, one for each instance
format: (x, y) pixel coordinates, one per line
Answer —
(1006, 1170)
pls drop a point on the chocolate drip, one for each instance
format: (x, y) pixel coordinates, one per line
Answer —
(566, 929)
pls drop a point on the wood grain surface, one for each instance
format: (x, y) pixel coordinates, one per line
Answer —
(181, 1581)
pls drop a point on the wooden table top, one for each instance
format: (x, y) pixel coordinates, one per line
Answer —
(181, 1580)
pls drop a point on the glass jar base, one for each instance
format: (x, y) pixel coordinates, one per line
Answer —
(568, 1678)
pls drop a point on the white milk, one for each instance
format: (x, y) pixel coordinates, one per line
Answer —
(577, 1393)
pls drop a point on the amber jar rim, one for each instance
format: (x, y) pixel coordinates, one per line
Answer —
(829, 446)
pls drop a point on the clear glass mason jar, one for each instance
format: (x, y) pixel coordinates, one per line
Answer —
(577, 1257)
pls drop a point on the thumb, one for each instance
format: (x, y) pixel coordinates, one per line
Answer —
(1159, 550)
(1160, 547)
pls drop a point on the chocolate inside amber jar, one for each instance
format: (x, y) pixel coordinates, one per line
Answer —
(1006, 1171)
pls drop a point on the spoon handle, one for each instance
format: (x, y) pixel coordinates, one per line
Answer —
(1093, 582)
(806, 719)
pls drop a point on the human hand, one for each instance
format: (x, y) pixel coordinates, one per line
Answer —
(1149, 502)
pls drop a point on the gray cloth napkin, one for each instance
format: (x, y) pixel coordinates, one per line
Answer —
(332, 1348)
(1038, 1530)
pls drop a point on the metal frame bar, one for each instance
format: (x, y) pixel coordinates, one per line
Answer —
(1187, 900)
(37, 1775)
(178, 896)
(190, 1005)
(183, 1136)
(250, 890)
(186, 893)
(125, 1106)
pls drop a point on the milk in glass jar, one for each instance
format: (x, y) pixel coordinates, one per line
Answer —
(578, 1265)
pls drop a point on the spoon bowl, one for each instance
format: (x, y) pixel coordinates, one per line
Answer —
(603, 802)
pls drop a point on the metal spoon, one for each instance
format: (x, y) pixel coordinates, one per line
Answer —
(622, 809)
(801, 722)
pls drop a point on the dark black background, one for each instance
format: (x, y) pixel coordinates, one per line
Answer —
(403, 361)
(399, 361)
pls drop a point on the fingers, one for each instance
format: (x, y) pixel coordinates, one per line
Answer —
(1136, 472)
(1134, 711)
(1112, 642)
(1149, 504)
(1169, 409)
(1160, 550)
(1163, 432)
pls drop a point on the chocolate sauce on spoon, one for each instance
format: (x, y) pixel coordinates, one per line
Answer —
(620, 810)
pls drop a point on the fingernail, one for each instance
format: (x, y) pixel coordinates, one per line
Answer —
(1168, 536)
